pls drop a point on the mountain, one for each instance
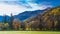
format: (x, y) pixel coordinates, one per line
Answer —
(52, 18)
(49, 13)
(2, 18)
(28, 14)
(48, 19)
(24, 15)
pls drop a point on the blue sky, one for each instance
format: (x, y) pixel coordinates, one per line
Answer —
(18, 6)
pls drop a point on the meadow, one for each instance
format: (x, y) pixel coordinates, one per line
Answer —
(29, 32)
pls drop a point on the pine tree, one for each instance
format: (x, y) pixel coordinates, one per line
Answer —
(11, 21)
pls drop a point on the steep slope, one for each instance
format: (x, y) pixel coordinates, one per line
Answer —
(50, 19)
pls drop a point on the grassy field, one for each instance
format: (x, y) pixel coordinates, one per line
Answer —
(28, 32)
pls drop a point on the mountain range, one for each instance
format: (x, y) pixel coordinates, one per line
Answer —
(24, 15)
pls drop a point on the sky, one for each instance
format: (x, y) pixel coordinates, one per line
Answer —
(18, 6)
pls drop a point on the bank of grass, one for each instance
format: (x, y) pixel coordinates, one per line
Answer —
(29, 32)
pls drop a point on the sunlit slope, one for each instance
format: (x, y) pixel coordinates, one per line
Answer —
(51, 18)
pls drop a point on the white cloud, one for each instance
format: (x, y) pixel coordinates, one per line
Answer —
(8, 0)
(38, 6)
(6, 8)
